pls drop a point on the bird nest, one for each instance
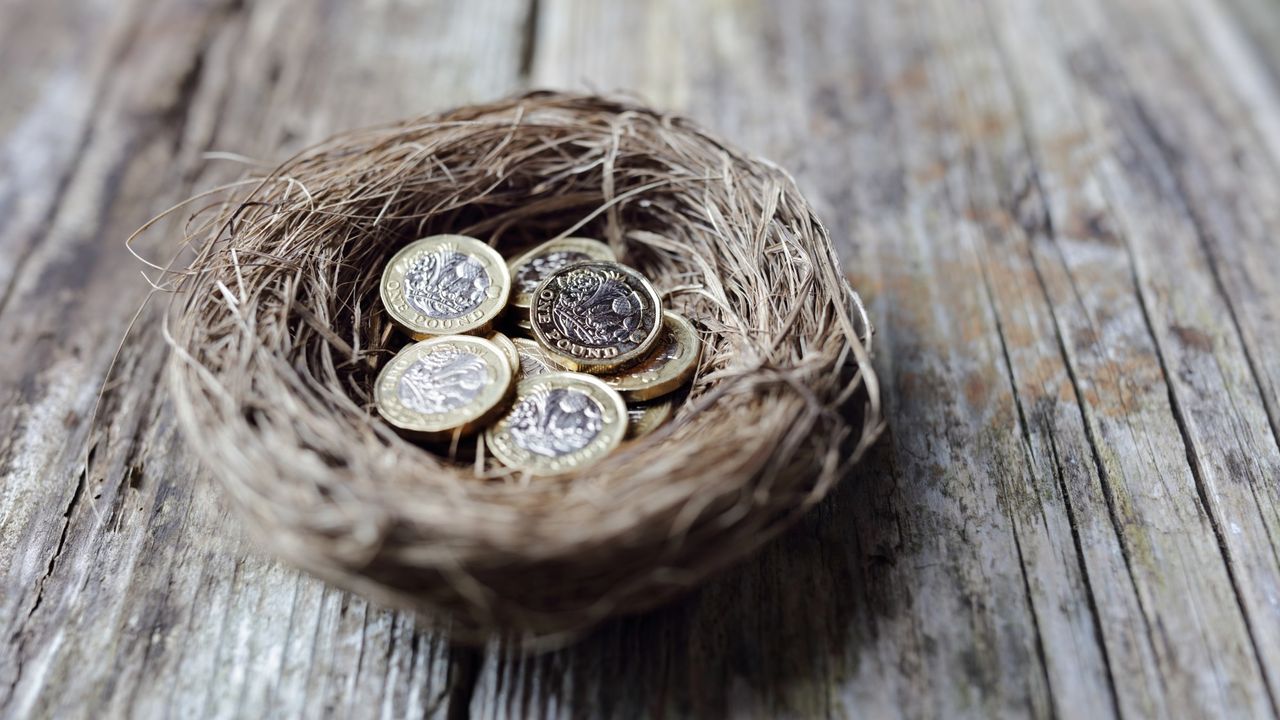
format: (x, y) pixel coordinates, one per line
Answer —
(279, 334)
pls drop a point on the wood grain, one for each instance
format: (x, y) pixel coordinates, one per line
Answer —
(128, 590)
(1064, 217)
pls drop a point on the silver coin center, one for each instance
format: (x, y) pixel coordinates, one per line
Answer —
(442, 381)
(555, 422)
(445, 284)
(538, 268)
(597, 310)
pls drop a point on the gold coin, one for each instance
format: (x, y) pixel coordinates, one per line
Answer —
(532, 267)
(445, 284)
(508, 348)
(442, 385)
(559, 422)
(644, 418)
(596, 316)
(533, 359)
(667, 367)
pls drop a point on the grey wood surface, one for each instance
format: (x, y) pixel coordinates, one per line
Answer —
(1065, 217)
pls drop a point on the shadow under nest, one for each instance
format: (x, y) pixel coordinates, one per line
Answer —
(279, 334)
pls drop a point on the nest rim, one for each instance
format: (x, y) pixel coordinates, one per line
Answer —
(277, 324)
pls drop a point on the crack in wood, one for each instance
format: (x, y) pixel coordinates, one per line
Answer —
(1045, 229)
(20, 634)
(464, 674)
(1179, 415)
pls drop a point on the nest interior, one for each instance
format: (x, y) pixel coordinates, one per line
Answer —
(279, 334)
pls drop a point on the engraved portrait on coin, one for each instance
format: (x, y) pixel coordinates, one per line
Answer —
(445, 284)
(555, 421)
(442, 381)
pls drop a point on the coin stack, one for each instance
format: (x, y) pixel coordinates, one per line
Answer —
(594, 358)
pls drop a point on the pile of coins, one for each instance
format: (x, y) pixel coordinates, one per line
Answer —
(594, 358)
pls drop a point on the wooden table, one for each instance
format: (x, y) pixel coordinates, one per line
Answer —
(1065, 217)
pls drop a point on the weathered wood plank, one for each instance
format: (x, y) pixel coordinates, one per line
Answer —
(127, 589)
(1064, 216)
(1006, 215)
(59, 55)
(1206, 388)
(1260, 23)
(1011, 327)
(948, 597)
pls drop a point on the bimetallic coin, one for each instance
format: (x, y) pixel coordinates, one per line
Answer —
(531, 268)
(533, 359)
(596, 316)
(644, 418)
(445, 284)
(439, 386)
(667, 367)
(508, 348)
(559, 422)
